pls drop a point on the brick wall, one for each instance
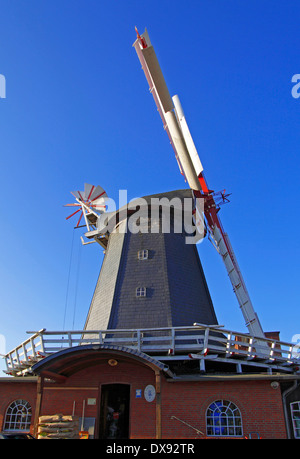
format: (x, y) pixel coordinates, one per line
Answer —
(87, 384)
(260, 405)
(13, 390)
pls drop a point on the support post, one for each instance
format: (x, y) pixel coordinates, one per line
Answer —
(158, 403)
(40, 386)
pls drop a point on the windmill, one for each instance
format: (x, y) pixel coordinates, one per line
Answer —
(191, 168)
(178, 294)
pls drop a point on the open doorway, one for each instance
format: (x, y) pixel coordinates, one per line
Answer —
(114, 411)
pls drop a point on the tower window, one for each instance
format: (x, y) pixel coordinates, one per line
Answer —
(140, 292)
(143, 254)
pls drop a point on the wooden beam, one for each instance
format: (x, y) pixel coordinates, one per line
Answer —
(40, 385)
(54, 376)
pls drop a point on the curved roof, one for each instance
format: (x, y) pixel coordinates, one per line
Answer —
(71, 360)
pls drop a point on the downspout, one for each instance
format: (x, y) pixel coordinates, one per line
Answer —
(285, 409)
(158, 403)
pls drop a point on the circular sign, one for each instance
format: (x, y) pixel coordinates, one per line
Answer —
(149, 393)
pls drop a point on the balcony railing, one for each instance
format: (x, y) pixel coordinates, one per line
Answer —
(170, 343)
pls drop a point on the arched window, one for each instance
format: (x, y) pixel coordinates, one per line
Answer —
(18, 416)
(223, 418)
(295, 411)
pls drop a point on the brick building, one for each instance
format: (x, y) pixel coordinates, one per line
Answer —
(152, 361)
(87, 381)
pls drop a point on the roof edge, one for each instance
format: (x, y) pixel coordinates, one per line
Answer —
(45, 363)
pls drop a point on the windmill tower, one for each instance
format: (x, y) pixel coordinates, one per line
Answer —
(151, 275)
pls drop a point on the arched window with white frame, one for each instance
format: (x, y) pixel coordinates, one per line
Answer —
(295, 412)
(18, 416)
(223, 419)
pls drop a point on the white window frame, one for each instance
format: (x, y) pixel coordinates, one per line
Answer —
(141, 292)
(295, 415)
(143, 254)
(223, 419)
(18, 416)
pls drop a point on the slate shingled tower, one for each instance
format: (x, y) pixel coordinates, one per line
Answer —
(150, 279)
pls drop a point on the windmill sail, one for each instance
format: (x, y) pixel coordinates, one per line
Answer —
(190, 165)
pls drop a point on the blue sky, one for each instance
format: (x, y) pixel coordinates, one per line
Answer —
(78, 109)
